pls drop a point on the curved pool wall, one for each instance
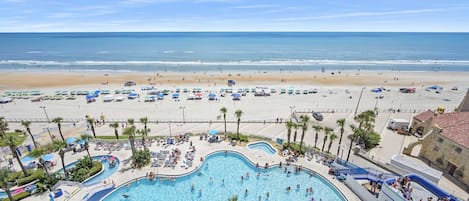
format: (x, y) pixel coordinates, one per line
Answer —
(263, 146)
(231, 165)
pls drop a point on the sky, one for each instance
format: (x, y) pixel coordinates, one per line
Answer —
(234, 15)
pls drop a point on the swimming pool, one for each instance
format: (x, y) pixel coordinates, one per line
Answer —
(219, 178)
(264, 146)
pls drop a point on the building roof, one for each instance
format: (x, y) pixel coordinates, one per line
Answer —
(424, 116)
(455, 126)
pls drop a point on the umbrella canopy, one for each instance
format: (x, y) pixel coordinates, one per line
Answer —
(212, 95)
(89, 97)
(377, 90)
(48, 157)
(70, 140)
(27, 159)
(198, 94)
(175, 95)
(236, 95)
(213, 132)
(160, 95)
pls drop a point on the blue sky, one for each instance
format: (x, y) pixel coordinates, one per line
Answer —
(234, 15)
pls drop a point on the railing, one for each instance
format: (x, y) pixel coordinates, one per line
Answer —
(75, 120)
(350, 110)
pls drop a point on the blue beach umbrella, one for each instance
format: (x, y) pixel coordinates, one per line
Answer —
(175, 95)
(27, 159)
(213, 132)
(48, 157)
(71, 140)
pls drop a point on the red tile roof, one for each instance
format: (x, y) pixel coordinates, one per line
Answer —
(424, 116)
(455, 126)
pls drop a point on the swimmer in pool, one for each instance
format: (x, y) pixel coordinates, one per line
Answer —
(125, 196)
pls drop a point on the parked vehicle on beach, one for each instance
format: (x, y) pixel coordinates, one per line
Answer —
(318, 116)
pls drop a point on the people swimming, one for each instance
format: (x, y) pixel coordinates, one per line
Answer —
(125, 196)
(288, 188)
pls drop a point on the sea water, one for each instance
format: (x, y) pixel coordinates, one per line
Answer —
(218, 51)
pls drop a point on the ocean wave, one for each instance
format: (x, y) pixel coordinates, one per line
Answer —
(168, 52)
(188, 52)
(241, 62)
(34, 52)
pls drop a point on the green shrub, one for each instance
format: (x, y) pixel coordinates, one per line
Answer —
(234, 136)
(47, 181)
(18, 196)
(97, 167)
(294, 147)
(33, 176)
(141, 158)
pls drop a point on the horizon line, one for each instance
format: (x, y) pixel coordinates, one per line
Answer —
(208, 31)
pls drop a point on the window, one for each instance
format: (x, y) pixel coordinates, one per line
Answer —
(440, 140)
(436, 148)
(458, 149)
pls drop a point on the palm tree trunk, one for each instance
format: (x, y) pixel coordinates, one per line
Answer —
(294, 136)
(340, 141)
(237, 129)
(7, 191)
(324, 144)
(329, 147)
(350, 148)
(13, 151)
(63, 166)
(44, 167)
(88, 151)
(302, 137)
(288, 136)
(224, 119)
(132, 145)
(32, 137)
(116, 133)
(316, 137)
(92, 130)
(143, 142)
(60, 132)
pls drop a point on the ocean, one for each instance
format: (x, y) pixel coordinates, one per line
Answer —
(219, 51)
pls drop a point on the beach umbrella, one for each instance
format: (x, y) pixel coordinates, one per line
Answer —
(70, 140)
(175, 95)
(160, 95)
(377, 90)
(212, 95)
(236, 95)
(27, 159)
(213, 132)
(48, 157)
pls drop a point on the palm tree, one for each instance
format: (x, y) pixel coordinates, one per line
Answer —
(58, 121)
(356, 133)
(238, 114)
(289, 126)
(327, 131)
(332, 137)
(12, 140)
(304, 128)
(115, 125)
(144, 132)
(295, 126)
(317, 129)
(38, 153)
(4, 183)
(131, 121)
(130, 131)
(224, 110)
(91, 123)
(86, 138)
(26, 125)
(3, 126)
(60, 146)
(341, 123)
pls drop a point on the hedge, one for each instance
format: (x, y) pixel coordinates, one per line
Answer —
(18, 196)
(97, 166)
(35, 175)
(294, 147)
(242, 138)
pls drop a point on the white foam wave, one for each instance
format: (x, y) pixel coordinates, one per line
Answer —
(34, 52)
(168, 52)
(188, 52)
(104, 52)
(244, 62)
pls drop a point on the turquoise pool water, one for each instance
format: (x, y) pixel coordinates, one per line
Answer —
(219, 178)
(264, 146)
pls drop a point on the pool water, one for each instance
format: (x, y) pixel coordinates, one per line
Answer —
(263, 146)
(107, 170)
(219, 178)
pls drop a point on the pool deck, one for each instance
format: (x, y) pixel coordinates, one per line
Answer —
(203, 148)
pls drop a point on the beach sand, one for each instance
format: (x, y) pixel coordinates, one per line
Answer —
(38, 79)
